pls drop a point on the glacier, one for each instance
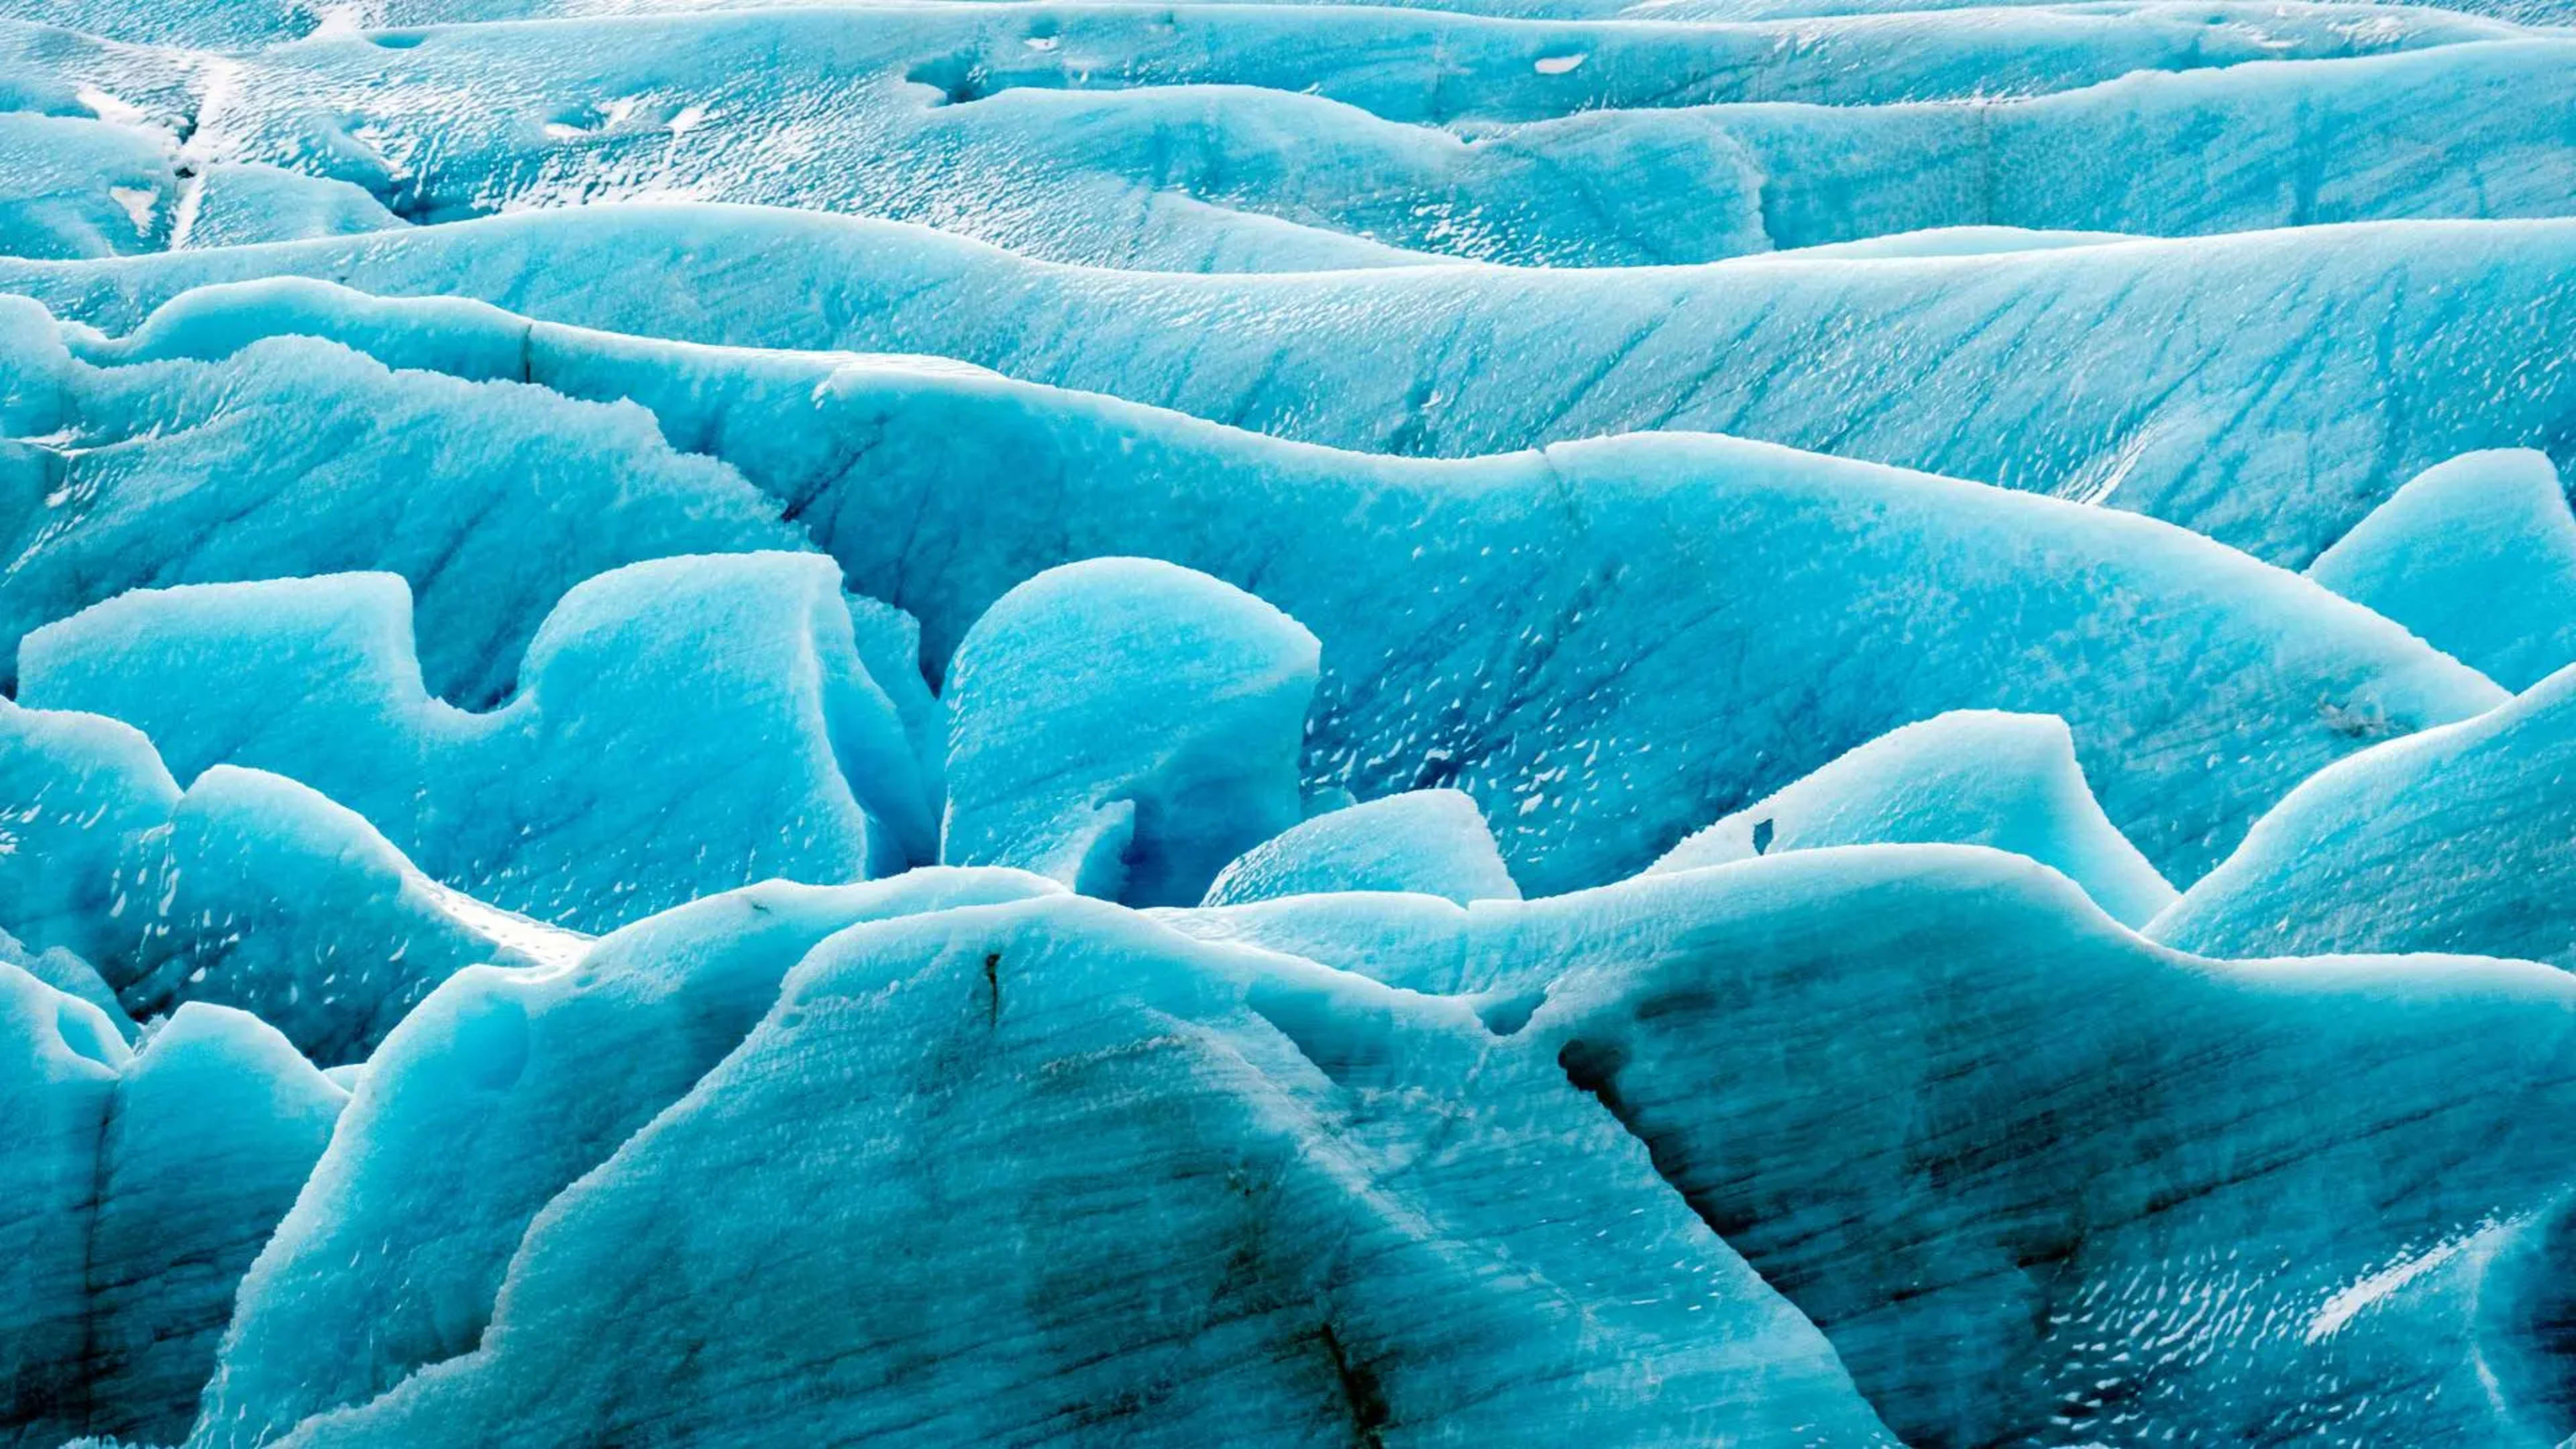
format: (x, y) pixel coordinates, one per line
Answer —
(1385, 723)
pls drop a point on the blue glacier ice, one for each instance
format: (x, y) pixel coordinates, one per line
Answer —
(1312, 1274)
(794, 744)
(2456, 839)
(1390, 723)
(1111, 138)
(1969, 777)
(1126, 727)
(2476, 555)
(1256, 1087)
(247, 468)
(81, 188)
(501, 1089)
(2045, 1144)
(67, 973)
(1430, 841)
(1984, 367)
(141, 1183)
(1398, 575)
(247, 890)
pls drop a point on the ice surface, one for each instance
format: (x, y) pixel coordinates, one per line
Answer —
(728, 723)
(236, 204)
(722, 691)
(1970, 777)
(2478, 556)
(1167, 1088)
(1433, 581)
(1984, 367)
(1126, 727)
(291, 457)
(141, 1183)
(2453, 840)
(247, 890)
(497, 1092)
(1124, 140)
(81, 188)
(72, 976)
(1431, 841)
(1134, 1162)
(2060, 1186)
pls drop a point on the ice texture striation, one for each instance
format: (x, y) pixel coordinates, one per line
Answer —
(1479, 611)
(1983, 367)
(1801, 724)
(1431, 841)
(1971, 777)
(787, 760)
(141, 1183)
(2456, 839)
(1289, 1277)
(1126, 727)
(2477, 555)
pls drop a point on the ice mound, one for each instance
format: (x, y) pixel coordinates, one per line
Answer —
(247, 890)
(1549, 573)
(2478, 556)
(1978, 367)
(500, 1090)
(141, 1182)
(73, 977)
(535, 1151)
(2456, 839)
(291, 456)
(1464, 722)
(1431, 841)
(1117, 141)
(680, 726)
(1126, 727)
(1970, 777)
(81, 188)
(2042, 1142)
(1312, 1273)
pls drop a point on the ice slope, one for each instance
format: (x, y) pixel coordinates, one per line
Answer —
(1555, 574)
(1192, 167)
(1126, 727)
(543, 455)
(246, 890)
(2040, 1181)
(2046, 1140)
(292, 456)
(2458, 839)
(1431, 841)
(2124, 374)
(680, 726)
(235, 26)
(79, 188)
(2476, 555)
(241, 203)
(140, 1184)
(498, 1092)
(72, 976)
(1433, 66)
(1553, 633)
(1247, 1244)
(1969, 777)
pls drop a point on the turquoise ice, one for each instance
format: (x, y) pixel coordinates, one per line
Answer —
(1804, 724)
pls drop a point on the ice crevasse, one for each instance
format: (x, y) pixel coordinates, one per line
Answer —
(1482, 722)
